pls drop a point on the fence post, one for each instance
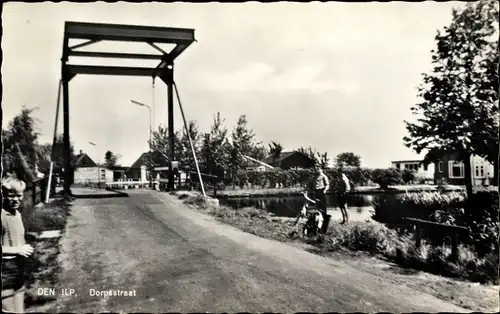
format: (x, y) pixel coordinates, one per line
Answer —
(454, 247)
(418, 238)
(33, 188)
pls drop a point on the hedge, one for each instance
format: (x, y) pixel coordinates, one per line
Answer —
(479, 213)
(306, 177)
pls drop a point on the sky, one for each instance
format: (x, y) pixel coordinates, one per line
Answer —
(339, 77)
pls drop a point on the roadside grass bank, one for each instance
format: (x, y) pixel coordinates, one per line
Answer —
(469, 280)
(42, 268)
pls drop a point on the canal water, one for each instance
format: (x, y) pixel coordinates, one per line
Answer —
(360, 206)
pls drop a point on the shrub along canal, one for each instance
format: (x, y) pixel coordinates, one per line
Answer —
(360, 203)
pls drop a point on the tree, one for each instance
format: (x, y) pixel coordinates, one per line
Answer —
(45, 155)
(160, 145)
(323, 160)
(275, 150)
(459, 108)
(242, 144)
(111, 159)
(408, 176)
(186, 154)
(348, 159)
(215, 148)
(259, 152)
(20, 141)
(386, 177)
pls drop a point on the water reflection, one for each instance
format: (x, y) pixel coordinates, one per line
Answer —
(360, 206)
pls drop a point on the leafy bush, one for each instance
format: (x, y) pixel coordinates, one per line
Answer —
(481, 216)
(386, 177)
(51, 216)
(423, 205)
(303, 177)
(482, 220)
(408, 176)
(368, 237)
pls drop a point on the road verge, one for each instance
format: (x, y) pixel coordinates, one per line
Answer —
(368, 244)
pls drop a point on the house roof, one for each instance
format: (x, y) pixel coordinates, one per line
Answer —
(158, 160)
(83, 160)
(406, 161)
(270, 160)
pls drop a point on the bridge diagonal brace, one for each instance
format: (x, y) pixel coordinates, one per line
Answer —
(90, 42)
(157, 48)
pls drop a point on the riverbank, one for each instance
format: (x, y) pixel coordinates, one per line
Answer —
(374, 248)
(360, 190)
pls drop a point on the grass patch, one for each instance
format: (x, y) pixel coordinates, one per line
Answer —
(51, 216)
(42, 268)
(368, 238)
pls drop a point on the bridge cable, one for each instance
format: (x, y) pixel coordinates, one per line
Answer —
(190, 141)
(54, 140)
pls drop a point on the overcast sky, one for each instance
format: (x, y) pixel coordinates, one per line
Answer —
(335, 76)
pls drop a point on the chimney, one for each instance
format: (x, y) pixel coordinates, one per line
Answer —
(81, 151)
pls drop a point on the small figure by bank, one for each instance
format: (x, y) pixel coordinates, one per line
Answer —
(343, 190)
(322, 185)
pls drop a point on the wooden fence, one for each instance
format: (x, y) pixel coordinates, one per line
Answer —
(445, 230)
(36, 190)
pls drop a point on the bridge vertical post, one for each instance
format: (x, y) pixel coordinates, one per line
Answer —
(66, 77)
(169, 79)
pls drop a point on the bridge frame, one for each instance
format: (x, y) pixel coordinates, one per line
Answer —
(95, 32)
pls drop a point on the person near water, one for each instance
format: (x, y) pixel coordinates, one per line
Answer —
(14, 248)
(307, 201)
(344, 188)
(307, 220)
(322, 185)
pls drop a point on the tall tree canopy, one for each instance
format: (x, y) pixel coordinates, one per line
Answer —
(45, 155)
(186, 154)
(275, 149)
(459, 107)
(111, 159)
(160, 144)
(214, 152)
(20, 140)
(348, 159)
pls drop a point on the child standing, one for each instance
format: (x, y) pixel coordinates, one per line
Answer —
(14, 247)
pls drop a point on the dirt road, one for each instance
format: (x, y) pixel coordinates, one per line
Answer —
(180, 260)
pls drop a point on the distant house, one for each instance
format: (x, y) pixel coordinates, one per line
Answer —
(118, 172)
(83, 160)
(158, 160)
(453, 170)
(256, 165)
(290, 160)
(422, 171)
(87, 171)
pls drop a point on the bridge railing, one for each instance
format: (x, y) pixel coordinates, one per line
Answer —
(127, 184)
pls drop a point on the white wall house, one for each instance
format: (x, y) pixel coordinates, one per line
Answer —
(482, 171)
(92, 175)
(422, 171)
